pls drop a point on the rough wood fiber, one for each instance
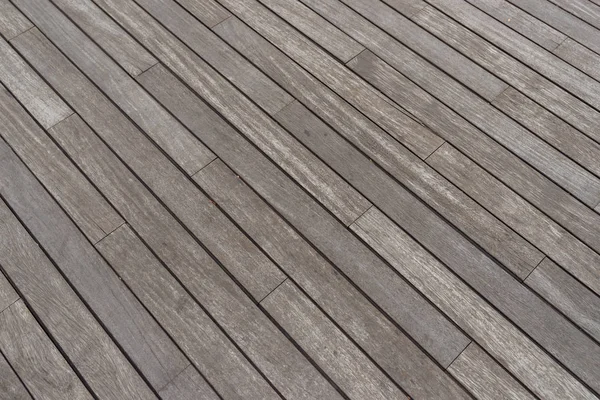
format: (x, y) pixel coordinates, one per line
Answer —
(417, 374)
(187, 323)
(485, 378)
(580, 57)
(568, 295)
(209, 12)
(35, 358)
(586, 10)
(7, 293)
(495, 333)
(94, 216)
(11, 387)
(339, 358)
(375, 278)
(12, 22)
(321, 181)
(173, 138)
(66, 318)
(41, 101)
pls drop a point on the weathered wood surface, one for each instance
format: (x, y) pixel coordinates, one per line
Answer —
(8, 295)
(11, 387)
(12, 22)
(188, 385)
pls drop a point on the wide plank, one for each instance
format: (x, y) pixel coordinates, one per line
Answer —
(11, 387)
(188, 385)
(34, 357)
(12, 22)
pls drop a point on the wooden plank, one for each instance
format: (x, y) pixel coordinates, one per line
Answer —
(530, 364)
(314, 175)
(376, 335)
(568, 295)
(188, 385)
(586, 10)
(11, 387)
(251, 267)
(580, 57)
(41, 101)
(173, 138)
(7, 293)
(485, 378)
(94, 216)
(35, 358)
(363, 267)
(130, 325)
(104, 368)
(209, 12)
(339, 358)
(245, 76)
(12, 22)
(195, 332)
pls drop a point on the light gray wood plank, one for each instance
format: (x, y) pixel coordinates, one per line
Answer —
(94, 216)
(327, 234)
(35, 358)
(79, 335)
(316, 27)
(550, 237)
(580, 57)
(7, 293)
(198, 336)
(130, 325)
(11, 387)
(568, 295)
(339, 358)
(251, 267)
(408, 8)
(485, 378)
(12, 22)
(209, 12)
(376, 335)
(530, 364)
(173, 138)
(584, 9)
(41, 101)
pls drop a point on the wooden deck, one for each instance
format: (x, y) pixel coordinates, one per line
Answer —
(299, 199)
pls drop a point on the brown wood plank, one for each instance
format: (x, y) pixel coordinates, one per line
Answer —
(11, 387)
(12, 22)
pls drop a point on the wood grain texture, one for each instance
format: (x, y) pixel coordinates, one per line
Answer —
(580, 57)
(39, 99)
(339, 358)
(188, 324)
(12, 22)
(7, 293)
(35, 358)
(568, 295)
(209, 12)
(586, 10)
(11, 387)
(485, 378)
(376, 335)
(65, 317)
(94, 216)
(173, 138)
(530, 364)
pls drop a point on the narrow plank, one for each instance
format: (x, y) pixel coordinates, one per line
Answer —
(84, 342)
(46, 107)
(188, 385)
(130, 325)
(35, 358)
(584, 9)
(210, 12)
(498, 336)
(508, 294)
(550, 237)
(376, 335)
(11, 388)
(340, 45)
(363, 267)
(579, 56)
(314, 175)
(94, 216)
(341, 360)
(244, 260)
(196, 333)
(568, 295)
(173, 138)
(7, 293)
(485, 378)
(12, 22)
(383, 149)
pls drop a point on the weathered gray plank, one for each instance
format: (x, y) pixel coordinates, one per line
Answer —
(584, 9)
(332, 238)
(70, 323)
(122, 315)
(209, 12)
(251, 267)
(35, 358)
(530, 364)
(579, 56)
(7, 293)
(198, 336)
(339, 358)
(485, 378)
(11, 387)
(321, 181)
(12, 22)
(41, 101)
(173, 138)
(568, 295)
(339, 299)
(94, 216)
